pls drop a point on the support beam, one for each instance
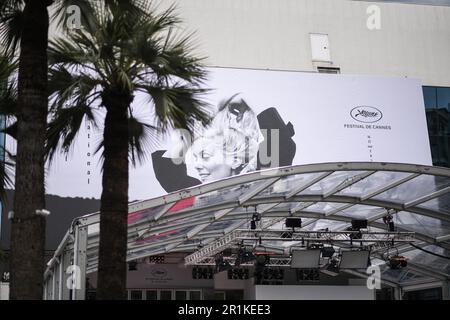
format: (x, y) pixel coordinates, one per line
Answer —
(306, 185)
(253, 192)
(426, 198)
(347, 183)
(389, 186)
(80, 261)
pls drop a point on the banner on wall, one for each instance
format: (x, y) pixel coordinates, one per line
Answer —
(265, 119)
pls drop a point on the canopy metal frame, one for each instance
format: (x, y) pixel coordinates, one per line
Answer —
(220, 208)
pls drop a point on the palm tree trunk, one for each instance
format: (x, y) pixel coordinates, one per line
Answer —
(28, 229)
(112, 271)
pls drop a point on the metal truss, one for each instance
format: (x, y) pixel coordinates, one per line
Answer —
(191, 225)
(383, 239)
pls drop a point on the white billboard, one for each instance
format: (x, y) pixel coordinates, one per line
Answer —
(266, 119)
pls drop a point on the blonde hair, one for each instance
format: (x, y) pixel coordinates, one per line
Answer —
(235, 131)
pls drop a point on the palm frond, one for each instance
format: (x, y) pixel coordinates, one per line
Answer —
(11, 24)
(134, 48)
(178, 106)
(6, 172)
(141, 135)
(64, 128)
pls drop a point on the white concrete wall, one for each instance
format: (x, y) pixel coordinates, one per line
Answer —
(414, 40)
(313, 293)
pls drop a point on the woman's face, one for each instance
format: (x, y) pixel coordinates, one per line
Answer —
(209, 161)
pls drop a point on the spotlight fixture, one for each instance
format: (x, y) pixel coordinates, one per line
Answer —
(221, 264)
(293, 222)
(253, 225)
(243, 256)
(155, 259)
(256, 216)
(355, 259)
(388, 220)
(358, 224)
(202, 273)
(327, 252)
(397, 262)
(332, 268)
(224, 266)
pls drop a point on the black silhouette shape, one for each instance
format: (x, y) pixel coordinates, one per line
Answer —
(269, 120)
(171, 176)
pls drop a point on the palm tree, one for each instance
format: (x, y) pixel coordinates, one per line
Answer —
(8, 105)
(121, 54)
(24, 25)
(30, 28)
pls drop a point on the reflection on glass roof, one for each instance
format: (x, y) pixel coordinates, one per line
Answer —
(331, 182)
(325, 207)
(360, 211)
(324, 196)
(420, 224)
(415, 188)
(429, 260)
(441, 203)
(372, 183)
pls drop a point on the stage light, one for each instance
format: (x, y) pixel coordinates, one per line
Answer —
(332, 268)
(305, 259)
(256, 216)
(243, 256)
(154, 259)
(357, 259)
(293, 222)
(252, 225)
(388, 220)
(397, 262)
(327, 252)
(358, 224)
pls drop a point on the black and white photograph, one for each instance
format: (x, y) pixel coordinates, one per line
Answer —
(225, 158)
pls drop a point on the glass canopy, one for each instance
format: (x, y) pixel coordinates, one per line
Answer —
(326, 196)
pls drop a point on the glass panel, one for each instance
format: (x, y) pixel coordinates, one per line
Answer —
(180, 295)
(443, 98)
(415, 188)
(429, 96)
(429, 260)
(214, 197)
(160, 237)
(421, 224)
(151, 295)
(372, 183)
(195, 295)
(142, 215)
(136, 295)
(286, 206)
(361, 211)
(288, 183)
(330, 182)
(323, 224)
(220, 225)
(441, 203)
(165, 295)
(324, 207)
